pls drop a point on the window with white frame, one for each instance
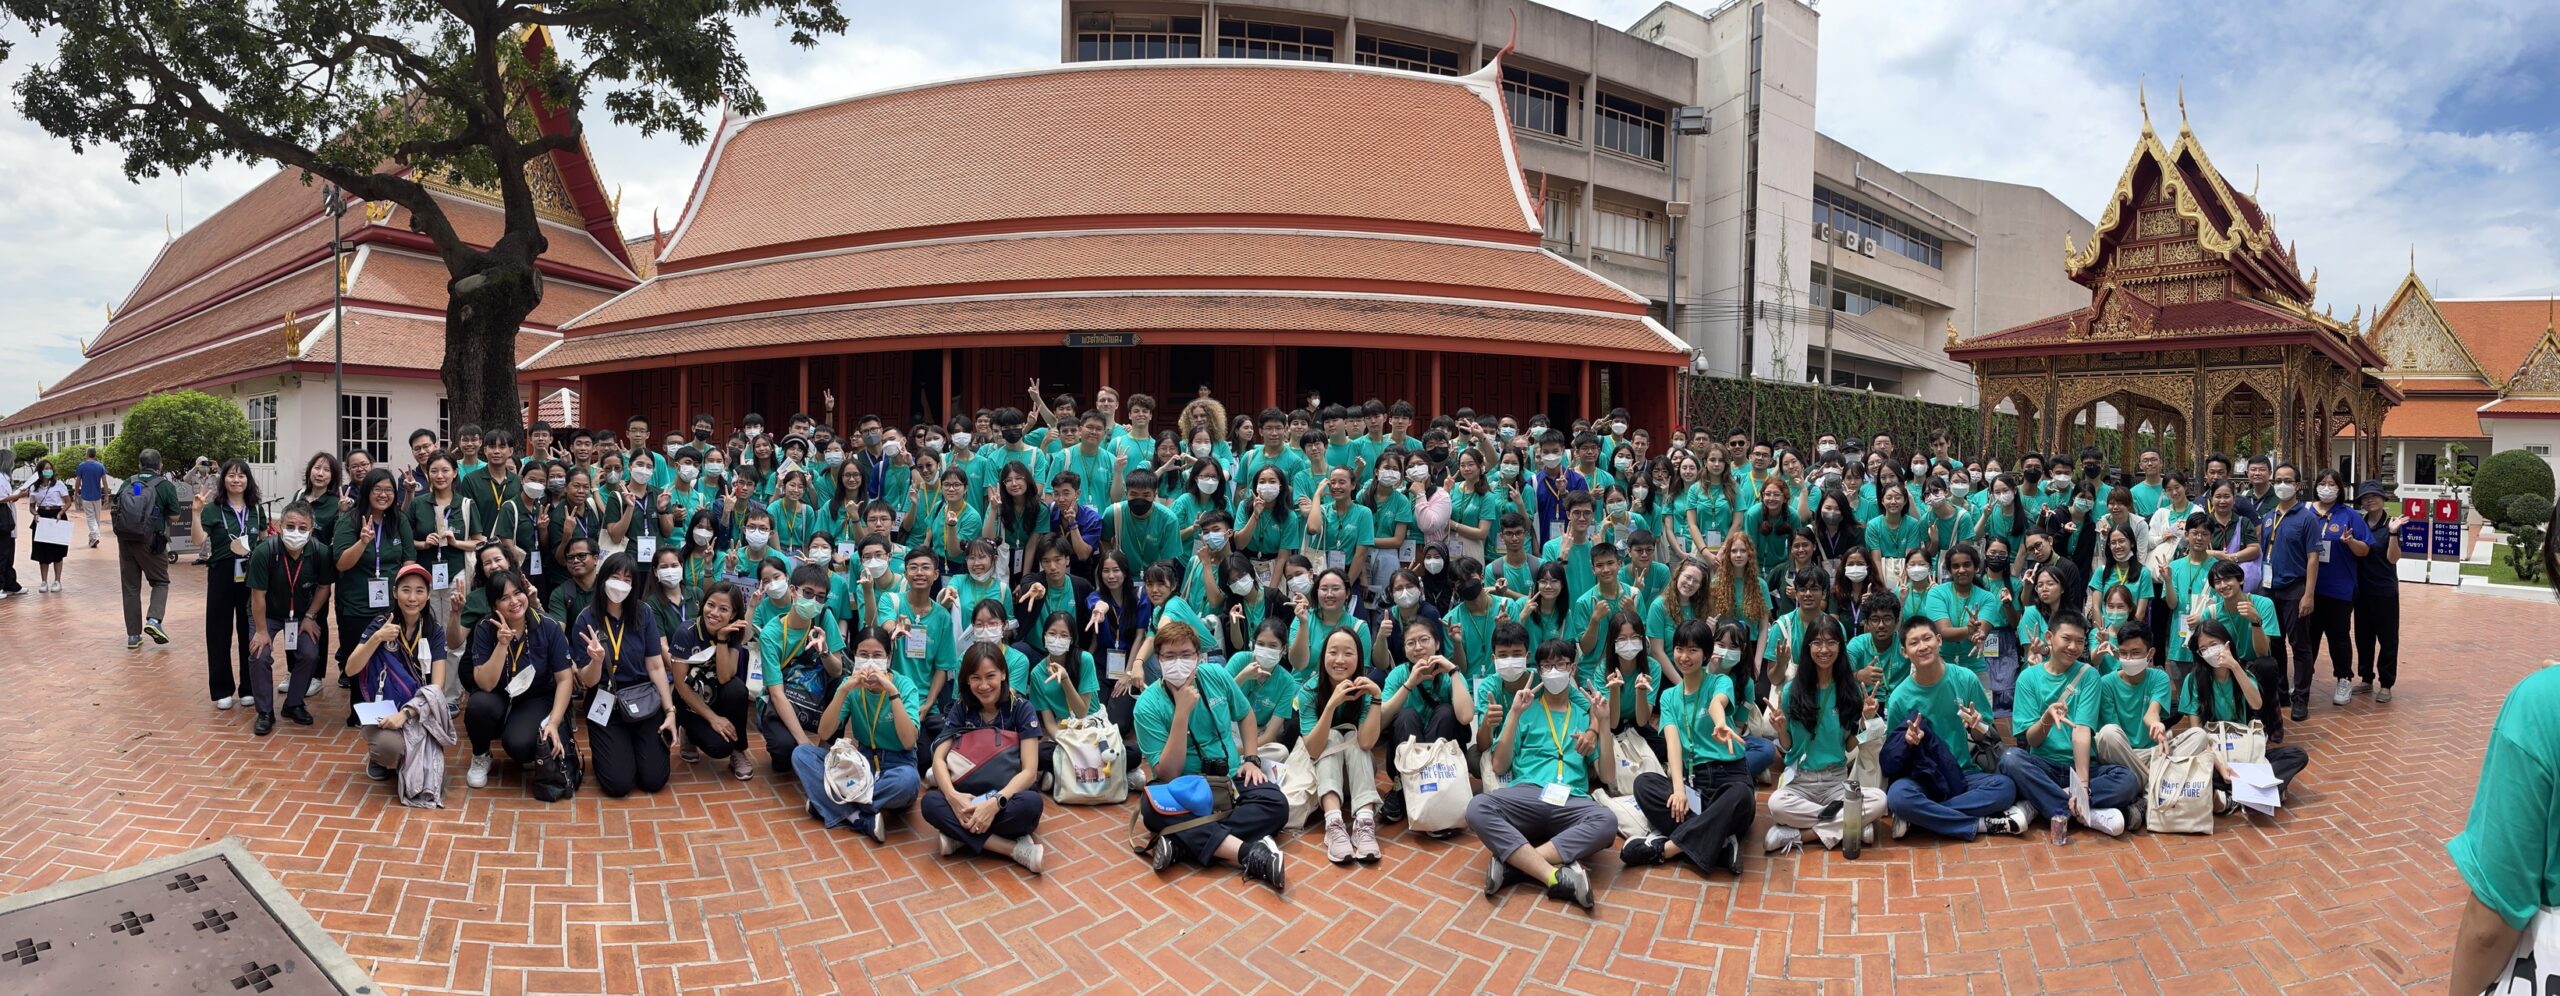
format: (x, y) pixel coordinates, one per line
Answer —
(262, 427)
(1371, 50)
(1557, 212)
(1106, 34)
(1538, 102)
(1629, 126)
(1632, 231)
(364, 421)
(444, 421)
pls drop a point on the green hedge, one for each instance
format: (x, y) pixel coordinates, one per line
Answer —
(2506, 475)
(1786, 410)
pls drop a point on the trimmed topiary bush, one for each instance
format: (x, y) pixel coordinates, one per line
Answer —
(2503, 477)
(2527, 517)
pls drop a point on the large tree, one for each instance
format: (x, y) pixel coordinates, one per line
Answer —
(376, 95)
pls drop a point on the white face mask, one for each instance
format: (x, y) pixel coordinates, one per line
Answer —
(2284, 490)
(870, 663)
(1510, 668)
(2217, 655)
(1617, 428)
(960, 439)
(757, 537)
(2003, 498)
(890, 450)
(1959, 488)
(671, 576)
(1623, 464)
(1241, 586)
(776, 588)
(1407, 598)
(1641, 493)
(1434, 565)
(688, 472)
(1391, 478)
(1057, 645)
(715, 469)
(821, 555)
(1856, 572)
(533, 490)
(2131, 667)
(875, 566)
(1556, 680)
(1301, 584)
(1919, 572)
(2327, 492)
(1727, 657)
(1267, 492)
(985, 634)
(1628, 649)
(1267, 656)
(1205, 485)
(295, 539)
(1177, 671)
(616, 590)
(1551, 461)
(933, 444)
(1200, 451)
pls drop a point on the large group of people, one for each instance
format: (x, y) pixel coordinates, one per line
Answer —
(1275, 619)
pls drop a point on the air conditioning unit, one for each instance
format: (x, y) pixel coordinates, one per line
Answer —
(1822, 232)
(1848, 240)
(1866, 247)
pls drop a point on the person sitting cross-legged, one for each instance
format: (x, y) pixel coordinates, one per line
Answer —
(2061, 694)
(1543, 822)
(1216, 743)
(1934, 783)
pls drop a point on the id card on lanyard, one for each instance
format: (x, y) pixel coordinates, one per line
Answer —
(600, 712)
(240, 564)
(1555, 793)
(290, 636)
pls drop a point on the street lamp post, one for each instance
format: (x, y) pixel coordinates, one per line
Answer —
(337, 208)
(1688, 120)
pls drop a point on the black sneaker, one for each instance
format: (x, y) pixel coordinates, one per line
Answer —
(266, 724)
(2301, 707)
(1391, 808)
(1262, 863)
(301, 716)
(152, 629)
(1641, 851)
(2012, 821)
(1731, 855)
(1160, 854)
(1496, 875)
(1572, 885)
(346, 681)
(376, 772)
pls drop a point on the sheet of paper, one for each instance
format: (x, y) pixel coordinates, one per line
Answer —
(373, 713)
(2263, 798)
(2258, 773)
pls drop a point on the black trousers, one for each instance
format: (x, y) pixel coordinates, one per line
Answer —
(226, 631)
(2333, 618)
(1017, 818)
(2269, 676)
(2378, 637)
(351, 632)
(2288, 627)
(1259, 812)
(515, 723)
(302, 664)
(730, 702)
(627, 754)
(9, 551)
(1409, 723)
(778, 744)
(1723, 812)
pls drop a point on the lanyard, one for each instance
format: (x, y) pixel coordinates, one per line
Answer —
(792, 651)
(613, 636)
(1548, 713)
(293, 582)
(871, 721)
(241, 515)
(381, 524)
(515, 661)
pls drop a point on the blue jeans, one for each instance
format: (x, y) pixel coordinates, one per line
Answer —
(894, 791)
(1758, 753)
(1984, 794)
(2044, 784)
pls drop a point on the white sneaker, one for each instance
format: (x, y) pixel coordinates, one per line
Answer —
(2346, 690)
(2381, 695)
(1901, 828)
(2108, 821)
(226, 702)
(949, 845)
(1028, 853)
(2013, 821)
(313, 690)
(1783, 839)
(1137, 777)
(478, 777)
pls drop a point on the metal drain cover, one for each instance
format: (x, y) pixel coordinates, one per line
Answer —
(207, 921)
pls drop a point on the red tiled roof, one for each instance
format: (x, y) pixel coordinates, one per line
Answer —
(217, 365)
(2430, 418)
(218, 281)
(2522, 408)
(408, 342)
(1114, 139)
(275, 205)
(306, 293)
(394, 277)
(1236, 319)
(1215, 259)
(480, 224)
(2499, 334)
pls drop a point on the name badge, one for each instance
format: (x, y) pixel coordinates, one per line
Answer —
(1336, 559)
(377, 594)
(290, 637)
(2324, 551)
(916, 642)
(239, 571)
(601, 712)
(1555, 795)
(1115, 663)
(647, 547)
(533, 561)
(442, 577)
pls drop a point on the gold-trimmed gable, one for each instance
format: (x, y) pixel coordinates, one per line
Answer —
(2236, 237)
(2415, 340)
(2539, 374)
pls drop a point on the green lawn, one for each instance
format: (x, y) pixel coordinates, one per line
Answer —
(2496, 570)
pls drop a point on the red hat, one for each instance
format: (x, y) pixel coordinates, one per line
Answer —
(408, 569)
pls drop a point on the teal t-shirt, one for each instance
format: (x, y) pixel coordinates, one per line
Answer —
(2127, 704)
(1864, 652)
(2038, 688)
(1048, 695)
(1819, 748)
(1213, 721)
(1544, 754)
(1941, 704)
(1686, 713)
(1274, 694)
(2509, 850)
(1947, 606)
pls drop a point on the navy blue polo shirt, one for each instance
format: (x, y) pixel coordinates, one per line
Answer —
(2289, 535)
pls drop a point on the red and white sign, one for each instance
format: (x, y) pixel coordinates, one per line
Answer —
(2448, 510)
(2414, 509)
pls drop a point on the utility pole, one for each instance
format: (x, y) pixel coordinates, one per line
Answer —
(337, 208)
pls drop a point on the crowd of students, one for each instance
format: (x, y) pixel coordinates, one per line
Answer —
(1621, 633)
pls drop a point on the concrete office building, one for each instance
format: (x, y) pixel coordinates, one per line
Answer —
(1907, 254)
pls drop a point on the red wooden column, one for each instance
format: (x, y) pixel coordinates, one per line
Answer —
(1270, 377)
(804, 383)
(684, 400)
(1540, 405)
(1436, 410)
(946, 387)
(1585, 400)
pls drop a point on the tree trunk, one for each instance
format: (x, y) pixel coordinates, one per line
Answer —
(485, 307)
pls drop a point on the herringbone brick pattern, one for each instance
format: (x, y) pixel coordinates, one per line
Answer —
(717, 886)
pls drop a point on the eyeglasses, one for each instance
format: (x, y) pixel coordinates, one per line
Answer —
(575, 557)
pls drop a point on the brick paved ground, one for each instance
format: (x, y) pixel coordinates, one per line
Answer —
(719, 886)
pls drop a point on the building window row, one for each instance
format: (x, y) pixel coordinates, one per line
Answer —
(364, 421)
(1630, 127)
(1840, 211)
(1242, 39)
(262, 427)
(1631, 231)
(1856, 296)
(1371, 50)
(1538, 102)
(1107, 35)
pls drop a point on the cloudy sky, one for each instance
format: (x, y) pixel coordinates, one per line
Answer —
(2404, 124)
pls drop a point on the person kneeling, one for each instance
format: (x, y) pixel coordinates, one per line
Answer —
(876, 709)
(1705, 819)
(629, 728)
(521, 680)
(1543, 822)
(1824, 711)
(1934, 781)
(1235, 820)
(403, 678)
(2062, 693)
(985, 765)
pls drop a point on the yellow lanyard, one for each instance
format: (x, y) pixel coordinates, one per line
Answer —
(793, 650)
(871, 722)
(1548, 713)
(614, 638)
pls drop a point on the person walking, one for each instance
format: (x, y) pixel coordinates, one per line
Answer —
(11, 492)
(50, 498)
(93, 491)
(144, 506)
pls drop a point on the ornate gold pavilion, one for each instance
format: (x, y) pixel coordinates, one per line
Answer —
(2199, 327)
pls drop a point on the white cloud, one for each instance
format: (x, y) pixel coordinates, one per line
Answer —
(2376, 126)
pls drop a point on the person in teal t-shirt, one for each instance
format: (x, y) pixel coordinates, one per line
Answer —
(1950, 704)
(1823, 712)
(1702, 720)
(2059, 703)
(1543, 822)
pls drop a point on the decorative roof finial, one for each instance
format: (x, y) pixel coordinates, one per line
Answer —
(2256, 173)
(2413, 259)
(1515, 36)
(2143, 98)
(2068, 250)
(2314, 283)
(2182, 104)
(2357, 321)
(292, 337)
(1951, 333)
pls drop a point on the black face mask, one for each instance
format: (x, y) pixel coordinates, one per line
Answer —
(1012, 435)
(1436, 456)
(1996, 564)
(1469, 591)
(1141, 506)
(701, 435)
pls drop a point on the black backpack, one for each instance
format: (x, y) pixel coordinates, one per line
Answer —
(555, 774)
(137, 513)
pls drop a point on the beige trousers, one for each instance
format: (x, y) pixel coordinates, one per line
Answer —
(1799, 803)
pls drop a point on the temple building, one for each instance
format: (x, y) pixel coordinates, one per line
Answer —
(2200, 329)
(1258, 229)
(2481, 372)
(240, 306)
